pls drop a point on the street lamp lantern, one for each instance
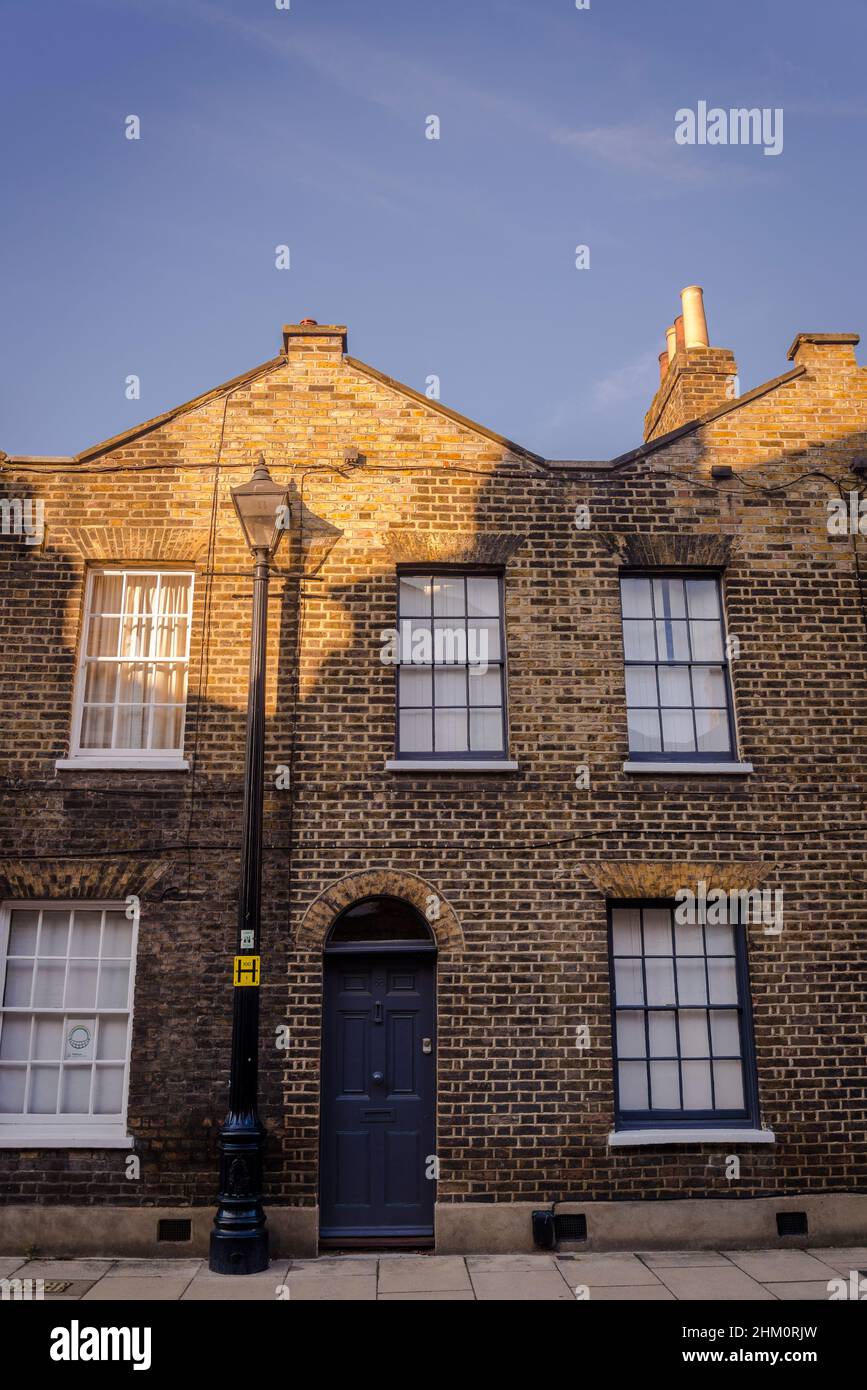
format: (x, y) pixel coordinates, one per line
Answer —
(262, 507)
(239, 1240)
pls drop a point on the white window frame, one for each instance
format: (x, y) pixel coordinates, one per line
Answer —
(69, 1131)
(159, 759)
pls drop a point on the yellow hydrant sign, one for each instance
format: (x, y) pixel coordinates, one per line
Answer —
(246, 972)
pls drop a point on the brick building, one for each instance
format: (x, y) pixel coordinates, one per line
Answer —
(480, 997)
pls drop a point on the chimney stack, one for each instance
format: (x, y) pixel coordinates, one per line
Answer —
(694, 377)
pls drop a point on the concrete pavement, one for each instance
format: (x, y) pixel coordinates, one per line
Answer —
(769, 1275)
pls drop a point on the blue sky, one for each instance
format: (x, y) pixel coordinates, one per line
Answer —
(455, 257)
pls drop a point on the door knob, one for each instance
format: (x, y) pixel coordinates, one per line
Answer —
(377, 1076)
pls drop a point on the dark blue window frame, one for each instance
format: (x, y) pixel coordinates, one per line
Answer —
(746, 1117)
(729, 754)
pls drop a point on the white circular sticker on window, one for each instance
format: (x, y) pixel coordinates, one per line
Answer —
(79, 1039)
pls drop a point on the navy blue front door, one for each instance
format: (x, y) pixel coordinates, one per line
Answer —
(378, 1081)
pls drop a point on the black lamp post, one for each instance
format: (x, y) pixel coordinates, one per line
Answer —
(239, 1240)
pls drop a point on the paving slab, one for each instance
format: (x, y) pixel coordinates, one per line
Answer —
(680, 1259)
(596, 1270)
(347, 1287)
(163, 1288)
(508, 1264)
(778, 1265)
(795, 1292)
(423, 1274)
(517, 1286)
(248, 1288)
(64, 1269)
(153, 1269)
(608, 1293)
(714, 1284)
(332, 1268)
(439, 1295)
(843, 1258)
(9, 1263)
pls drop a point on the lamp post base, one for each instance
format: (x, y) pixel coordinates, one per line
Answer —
(236, 1253)
(239, 1240)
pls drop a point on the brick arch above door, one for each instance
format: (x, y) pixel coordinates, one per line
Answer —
(375, 883)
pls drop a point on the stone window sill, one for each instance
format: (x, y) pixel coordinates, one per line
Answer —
(101, 1137)
(89, 764)
(631, 1138)
(730, 769)
(450, 765)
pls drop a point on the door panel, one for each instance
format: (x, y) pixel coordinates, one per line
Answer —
(377, 1096)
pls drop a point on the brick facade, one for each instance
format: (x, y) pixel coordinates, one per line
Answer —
(523, 861)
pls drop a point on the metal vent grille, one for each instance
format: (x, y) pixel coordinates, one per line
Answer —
(570, 1227)
(791, 1223)
(174, 1230)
